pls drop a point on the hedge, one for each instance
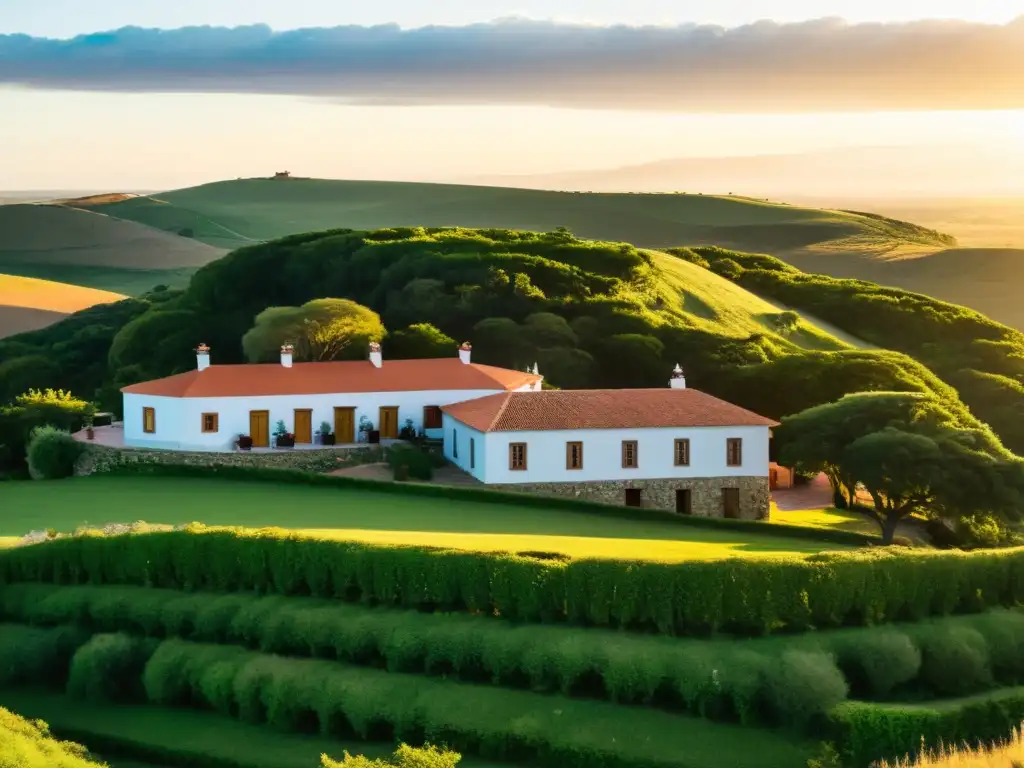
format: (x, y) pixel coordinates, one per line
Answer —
(37, 656)
(871, 732)
(775, 682)
(469, 493)
(744, 596)
(342, 701)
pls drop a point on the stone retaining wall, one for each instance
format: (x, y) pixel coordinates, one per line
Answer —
(99, 459)
(705, 493)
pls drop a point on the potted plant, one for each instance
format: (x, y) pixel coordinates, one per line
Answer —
(284, 438)
(365, 429)
(90, 413)
(326, 436)
(408, 431)
(244, 443)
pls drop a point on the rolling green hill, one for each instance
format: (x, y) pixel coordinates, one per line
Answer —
(861, 245)
(53, 242)
(236, 213)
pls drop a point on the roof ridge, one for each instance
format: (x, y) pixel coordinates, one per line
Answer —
(507, 399)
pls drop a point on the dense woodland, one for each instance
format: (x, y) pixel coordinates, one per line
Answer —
(982, 359)
(592, 314)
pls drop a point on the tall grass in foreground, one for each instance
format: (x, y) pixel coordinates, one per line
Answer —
(1008, 755)
(28, 744)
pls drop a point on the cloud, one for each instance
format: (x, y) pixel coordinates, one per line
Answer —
(819, 65)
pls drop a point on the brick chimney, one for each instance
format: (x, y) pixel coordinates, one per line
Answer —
(287, 351)
(465, 350)
(202, 357)
(376, 357)
(678, 380)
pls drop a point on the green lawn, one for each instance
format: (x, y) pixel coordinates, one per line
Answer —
(149, 733)
(369, 516)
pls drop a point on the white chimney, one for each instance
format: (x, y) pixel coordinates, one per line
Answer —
(287, 351)
(465, 350)
(375, 355)
(202, 357)
(678, 381)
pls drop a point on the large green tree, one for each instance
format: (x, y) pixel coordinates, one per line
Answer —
(910, 452)
(322, 329)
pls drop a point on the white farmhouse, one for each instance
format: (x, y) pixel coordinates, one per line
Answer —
(209, 408)
(673, 448)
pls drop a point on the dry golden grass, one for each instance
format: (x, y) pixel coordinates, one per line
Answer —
(31, 293)
(1009, 755)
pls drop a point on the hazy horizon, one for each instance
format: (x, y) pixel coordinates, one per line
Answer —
(144, 95)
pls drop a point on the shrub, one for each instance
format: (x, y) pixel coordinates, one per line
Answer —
(108, 667)
(405, 757)
(28, 744)
(878, 661)
(802, 685)
(37, 656)
(52, 453)
(416, 462)
(872, 732)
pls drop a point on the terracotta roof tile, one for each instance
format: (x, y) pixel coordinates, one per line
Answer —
(332, 377)
(601, 409)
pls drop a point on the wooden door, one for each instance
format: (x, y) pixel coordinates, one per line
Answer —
(303, 425)
(388, 421)
(344, 425)
(684, 501)
(731, 503)
(259, 428)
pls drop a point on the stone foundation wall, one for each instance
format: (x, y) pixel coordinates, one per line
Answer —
(99, 459)
(705, 493)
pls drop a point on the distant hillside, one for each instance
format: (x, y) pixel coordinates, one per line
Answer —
(230, 214)
(89, 249)
(27, 304)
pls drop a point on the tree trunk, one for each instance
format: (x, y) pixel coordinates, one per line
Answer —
(889, 525)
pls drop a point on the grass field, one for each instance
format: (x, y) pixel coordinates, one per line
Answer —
(58, 243)
(372, 517)
(27, 303)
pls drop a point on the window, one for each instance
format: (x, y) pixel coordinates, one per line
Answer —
(148, 420)
(455, 443)
(431, 417)
(211, 422)
(634, 497)
(472, 453)
(517, 456)
(734, 451)
(682, 458)
(630, 456)
(574, 455)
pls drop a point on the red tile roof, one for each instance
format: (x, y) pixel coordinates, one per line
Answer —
(601, 409)
(333, 377)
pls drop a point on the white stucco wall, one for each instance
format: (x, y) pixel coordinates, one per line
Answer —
(602, 454)
(455, 432)
(178, 420)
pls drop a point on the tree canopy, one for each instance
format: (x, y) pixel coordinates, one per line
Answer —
(910, 452)
(322, 329)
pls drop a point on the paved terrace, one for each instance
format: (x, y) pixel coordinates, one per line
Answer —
(112, 436)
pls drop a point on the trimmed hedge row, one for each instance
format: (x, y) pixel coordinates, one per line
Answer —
(38, 656)
(775, 682)
(750, 681)
(467, 493)
(871, 732)
(305, 695)
(744, 596)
